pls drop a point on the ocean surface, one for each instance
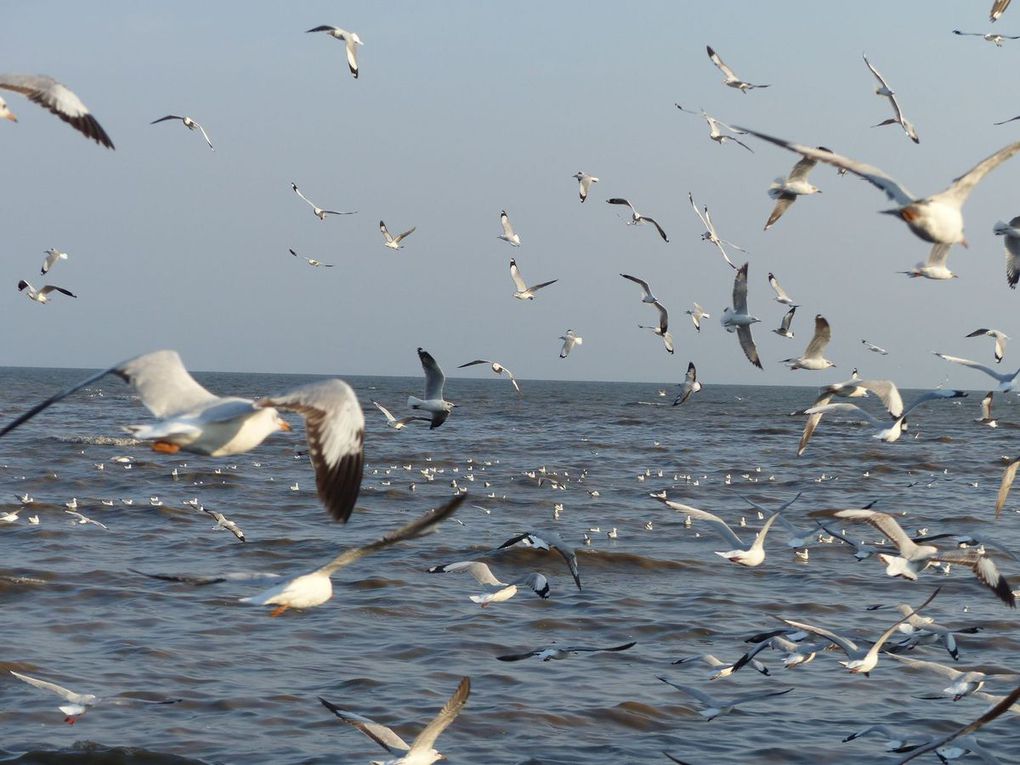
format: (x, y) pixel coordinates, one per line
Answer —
(394, 641)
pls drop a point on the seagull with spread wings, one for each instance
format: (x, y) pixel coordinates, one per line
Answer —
(509, 235)
(786, 190)
(78, 704)
(316, 210)
(812, 358)
(884, 90)
(697, 315)
(433, 402)
(784, 325)
(716, 127)
(1010, 233)
(741, 553)
(636, 217)
(52, 256)
(731, 80)
(689, 386)
(41, 295)
(737, 319)
(350, 39)
(710, 234)
(497, 369)
(584, 182)
(999, 337)
(393, 242)
(311, 261)
(523, 291)
(189, 123)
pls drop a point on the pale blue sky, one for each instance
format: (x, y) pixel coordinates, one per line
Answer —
(463, 109)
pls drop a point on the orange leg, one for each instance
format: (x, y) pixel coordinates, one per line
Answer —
(279, 610)
(165, 447)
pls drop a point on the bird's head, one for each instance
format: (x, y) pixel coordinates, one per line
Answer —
(6, 113)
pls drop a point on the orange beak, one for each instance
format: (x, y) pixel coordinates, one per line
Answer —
(10, 116)
(284, 425)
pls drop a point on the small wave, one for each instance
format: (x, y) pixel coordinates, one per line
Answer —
(79, 438)
(91, 753)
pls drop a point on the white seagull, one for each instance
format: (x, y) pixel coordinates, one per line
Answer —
(312, 261)
(433, 402)
(422, 750)
(52, 256)
(935, 267)
(58, 99)
(189, 123)
(786, 190)
(986, 411)
(742, 554)
(351, 39)
(584, 182)
(554, 651)
(569, 341)
(315, 588)
(937, 218)
(636, 217)
(499, 591)
(689, 386)
(992, 37)
(716, 127)
(781, 296)
(883, 89)
(1008, 382)
(914, 558)
(523, 291)
(191, 419)
(874, 348)
(393, 422)
(710, 234)
(79, 703)
(393, 242)
(963, 683)
(497, 369)
(662, 329)
(731, 79)
(712, 707)
(784, 325)
(849, 389)
(508, 235)
(40, 295)
(1010, 233)
(1000, 340)
(316, 210)
(737, 319)
(222, 522)
(546, 540)
(697, 315)
(722, 669)
(812, 358)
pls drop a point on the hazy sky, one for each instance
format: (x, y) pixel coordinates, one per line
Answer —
(463, 109)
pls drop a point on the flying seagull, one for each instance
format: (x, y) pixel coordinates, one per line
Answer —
(312, 261)
(986, 411)
(422, 750)
(716, 127)
(508, 235)
(584, 182)
(784, 325)
(883, 89)
(935, 267)
(569, 341)
(963, 683)
(874, 348)
(316, 210)
(1010, 234)
(937, 218)
(710, 234)
(741, 553)
(483, 575)
(991, 37)
(546, 540)
(1008, 382)
(433, 401)
(737, 319)
(393, 242)
(786, 190)
(731, 79)
(350, 38)
(781, 296)
(189, 123)
(222, 522)
(812, 358)
(712, 707)
(79, 703)
(697, 315)
(58, 99)
(497, 368)
(849, 389)
(40, 295)
(554, 651)
(52, 256)
(689, 386)
(1000, 340)
(393, 422)
(636, 217)
(662, 329)
(523, 291)
(191, 419)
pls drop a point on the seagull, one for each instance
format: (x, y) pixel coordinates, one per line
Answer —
(812, 358)
(786, 190)
(315, 588)
(192, 419)
(883, 89)
(848, 389)
(422, 750)
(963, 683)
(1000, 340)
(351, 39)
(710, 234)
(569, 341)
(523, 291)
(722, 668)
(82, 520)
(750, 556)
(918, 628)
(584, 182)
(316, 210)
(991, 37)
(1010, 234)
(1007, 382)
(222, 522)
(554, 651)
(891, 428)
(874, 348)
(662, 329)
(781, 296)
(546, 540)
(312, 261)
(189, 123)
(936, 219)
(784, 326)
(697, 315)
(689, 386)
(636, 217)
(58, 99)
(935, 267)
(52, 256)
(393, 242)
(714, 131)
(713, 707)
(914, 558)
(79, 703)
(796, 538)
(497, 368)
(433, 401)
(39, 295)
(858, 661)
(986, 411)
(393, 422)
(483, 575)
(998, 8)
(738, 320)
(508, 235)
(731, 79)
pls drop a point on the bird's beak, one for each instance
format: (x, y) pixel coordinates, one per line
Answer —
(965, 243)
(10, 116)
(284, 425)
